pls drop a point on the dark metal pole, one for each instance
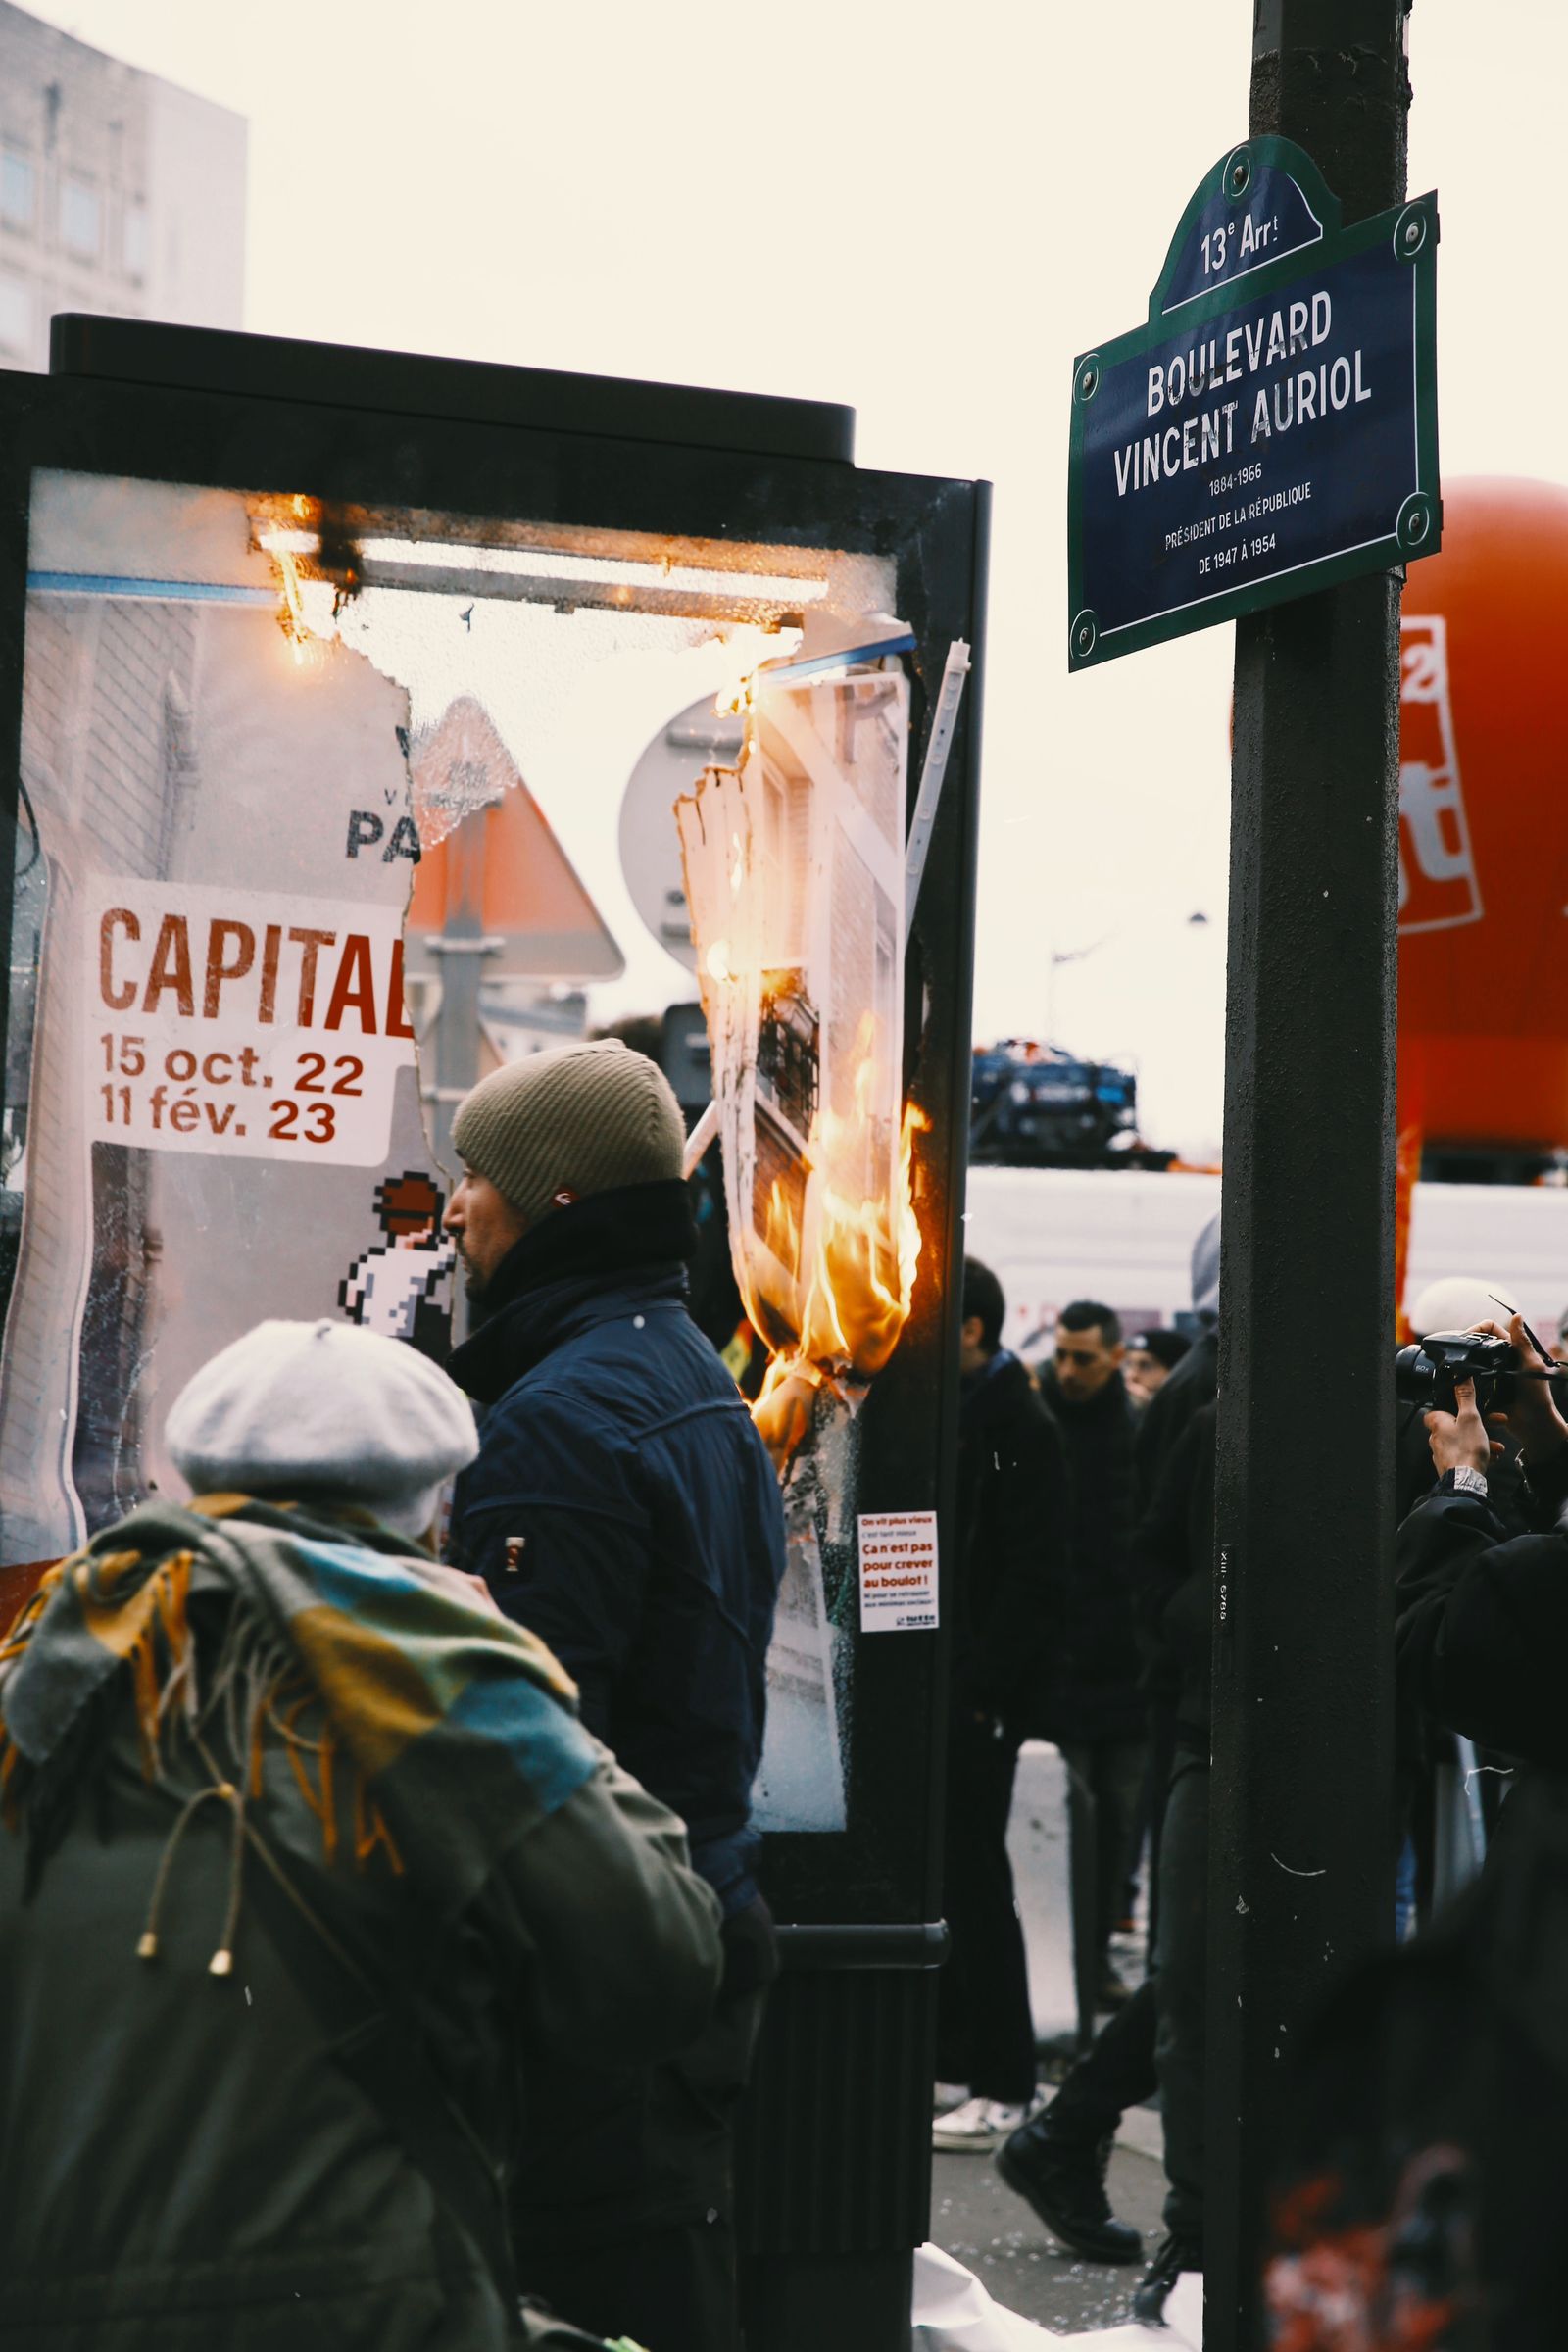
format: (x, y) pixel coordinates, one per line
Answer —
(463, 950)
(1301, 1822)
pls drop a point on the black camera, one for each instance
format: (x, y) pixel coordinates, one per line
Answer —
(1425, 1374)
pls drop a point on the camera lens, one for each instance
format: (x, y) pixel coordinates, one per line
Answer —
(1414, 1374)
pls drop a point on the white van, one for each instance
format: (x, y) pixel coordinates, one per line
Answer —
(1052, 1235)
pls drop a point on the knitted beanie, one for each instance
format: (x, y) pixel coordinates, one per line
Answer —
(584, 1119)
(1165, 1346)
(323, 1410)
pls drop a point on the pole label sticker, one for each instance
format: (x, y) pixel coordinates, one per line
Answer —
(897, 1571)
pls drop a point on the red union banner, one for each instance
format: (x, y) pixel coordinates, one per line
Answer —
(1483, 786)
(1438, 886)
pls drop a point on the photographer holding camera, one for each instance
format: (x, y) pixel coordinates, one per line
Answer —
(1424, 2152)
(1483, 1614)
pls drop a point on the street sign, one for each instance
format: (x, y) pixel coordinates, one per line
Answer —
(1273, 428)
(649, 837)
(487, 833)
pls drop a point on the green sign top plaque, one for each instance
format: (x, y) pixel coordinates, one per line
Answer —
(1273, 428)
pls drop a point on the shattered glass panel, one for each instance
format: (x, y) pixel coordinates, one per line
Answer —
(327, 811)
(213, 1076)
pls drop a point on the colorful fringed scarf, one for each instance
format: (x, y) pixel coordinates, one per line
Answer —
(236, 1624)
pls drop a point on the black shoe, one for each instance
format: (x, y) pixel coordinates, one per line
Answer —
(1064, 2181)
(1153, 2288)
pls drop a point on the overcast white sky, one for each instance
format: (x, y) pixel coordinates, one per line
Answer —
(975, 194)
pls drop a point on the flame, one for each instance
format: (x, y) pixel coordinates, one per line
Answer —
(286, 546)
(283, 549)
(859, 1282)
(291, 619)
(746, 646)
(838, 1221)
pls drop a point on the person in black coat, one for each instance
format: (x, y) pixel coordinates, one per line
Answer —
(1156, 2042)
(1426, 1754)
(1192, 1385)
(1095, 1709)
(1012, 1530)
(1482, 1611)
(1427, 2121)
(1195, 1381)
(1174, 1570)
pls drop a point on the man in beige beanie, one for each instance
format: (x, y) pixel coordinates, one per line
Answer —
(623, 1508)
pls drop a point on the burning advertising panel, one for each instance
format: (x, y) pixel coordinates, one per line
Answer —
(793, 872)
(369, 720)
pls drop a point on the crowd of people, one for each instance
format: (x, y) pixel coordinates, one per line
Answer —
(1402, 2196)
(384, 1953)
(1084, 1518)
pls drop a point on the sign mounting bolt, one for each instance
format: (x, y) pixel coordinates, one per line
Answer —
(1410, 235)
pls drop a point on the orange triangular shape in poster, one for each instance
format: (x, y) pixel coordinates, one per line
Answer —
(527, 894)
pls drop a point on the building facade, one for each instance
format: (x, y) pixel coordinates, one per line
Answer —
(119, 192)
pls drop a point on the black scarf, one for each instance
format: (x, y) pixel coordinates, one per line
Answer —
(638, 1225)
(572, 1254)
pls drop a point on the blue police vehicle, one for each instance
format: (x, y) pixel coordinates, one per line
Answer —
(1033, 1105)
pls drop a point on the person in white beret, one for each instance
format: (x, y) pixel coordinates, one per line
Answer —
(306, 1860)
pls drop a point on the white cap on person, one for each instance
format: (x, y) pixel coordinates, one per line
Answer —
(323, 1412)
(1458, 1302)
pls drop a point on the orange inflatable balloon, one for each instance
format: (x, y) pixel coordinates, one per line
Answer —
(1483, 823)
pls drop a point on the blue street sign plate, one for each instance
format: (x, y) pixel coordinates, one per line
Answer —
(1273, 428)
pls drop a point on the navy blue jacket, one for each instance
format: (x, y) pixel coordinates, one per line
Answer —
(626, 1509)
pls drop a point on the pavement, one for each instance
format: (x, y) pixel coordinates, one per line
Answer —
(953, 2313)
(973, 2217)
(1014, 2256)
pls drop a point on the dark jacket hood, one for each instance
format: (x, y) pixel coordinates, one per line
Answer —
(1002, 1376)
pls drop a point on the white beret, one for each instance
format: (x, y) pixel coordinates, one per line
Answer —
(323, 1410)
(1460, 1301)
